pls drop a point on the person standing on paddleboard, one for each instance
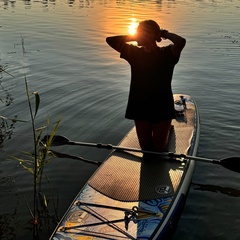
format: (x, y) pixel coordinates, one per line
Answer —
(150, 102)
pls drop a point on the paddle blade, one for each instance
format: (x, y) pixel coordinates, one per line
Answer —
(231, 163)
(58, 140)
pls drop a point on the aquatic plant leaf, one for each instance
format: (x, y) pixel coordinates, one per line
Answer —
(38, 138)
(37, 102)
(40, 128)
(51, 136)
(3, 69)
(12, 119)
(24, 163)
(48, 120)
(27, 168)
(45, 200)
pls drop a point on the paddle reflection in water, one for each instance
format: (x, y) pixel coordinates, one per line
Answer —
(217, 189)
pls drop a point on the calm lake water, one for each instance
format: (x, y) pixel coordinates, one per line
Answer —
(60, 47)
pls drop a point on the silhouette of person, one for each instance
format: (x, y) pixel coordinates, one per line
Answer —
(150, 101)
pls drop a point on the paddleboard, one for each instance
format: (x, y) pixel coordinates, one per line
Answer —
(132, 198)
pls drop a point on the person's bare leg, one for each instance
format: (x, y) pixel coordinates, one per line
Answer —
(161, 132)
(144, 133)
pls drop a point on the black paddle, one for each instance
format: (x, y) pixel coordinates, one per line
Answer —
(231, 163)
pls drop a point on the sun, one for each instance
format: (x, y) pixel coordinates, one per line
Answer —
(132, 28)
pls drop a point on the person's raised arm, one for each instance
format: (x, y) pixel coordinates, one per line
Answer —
(178, 41)
(118, 42)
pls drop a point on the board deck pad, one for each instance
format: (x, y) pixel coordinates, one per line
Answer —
(126, 177)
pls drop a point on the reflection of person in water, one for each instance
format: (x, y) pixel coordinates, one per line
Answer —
(150, 102)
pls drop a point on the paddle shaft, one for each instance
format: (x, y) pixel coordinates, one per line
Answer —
(168, 154)
(231, 163)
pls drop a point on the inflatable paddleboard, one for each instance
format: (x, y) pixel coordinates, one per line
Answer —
(132, 198)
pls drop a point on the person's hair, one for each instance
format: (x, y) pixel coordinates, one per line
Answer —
(152, 26)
